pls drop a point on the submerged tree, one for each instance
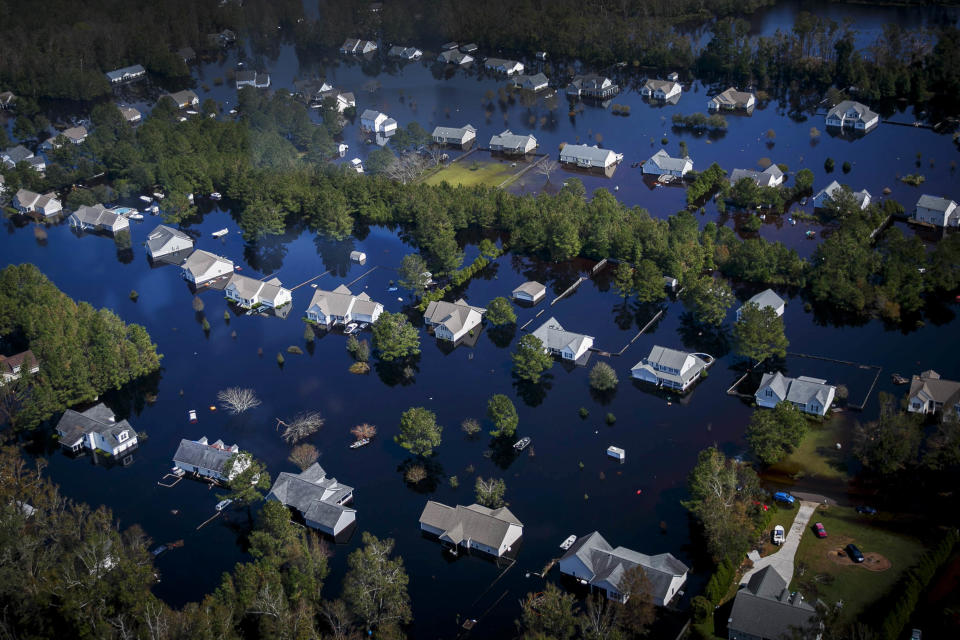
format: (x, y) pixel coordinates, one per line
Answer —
(375, 587)
(499, 312)
(773, 435)
(503, 414)
(237, 400)
(603, 377)
(394, 337)
(305, 424)
(304, 455)
(419, 431)
(530, 359)
(414, 274)
(490, 492)
(758, 334)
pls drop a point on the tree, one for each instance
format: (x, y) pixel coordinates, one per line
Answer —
(490, 492)
(889, 444)
(375, 586)
(247, 481)
(623, 280)
(944, 271)
(237, 400)
(419, 431)
(773, 435)
(709, 300)
(470, 427)
(394, 337)
(305, 424)
(304, 455)
(379, 160)
(600, 618)
(503, 414)
(648, 282)
(500, 312)
(549, 614)
(638, 612)
(530, 359)
(758, 334)
(603, 377)
(364, 431)
(414, 274)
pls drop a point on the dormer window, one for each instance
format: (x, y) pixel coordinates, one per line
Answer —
(122, 436)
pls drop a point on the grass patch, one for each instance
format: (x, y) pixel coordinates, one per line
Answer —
(469, 173)
(817, 455)
(856, 586)
(784, 517)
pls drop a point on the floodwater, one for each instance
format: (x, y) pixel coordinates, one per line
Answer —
(635, 504)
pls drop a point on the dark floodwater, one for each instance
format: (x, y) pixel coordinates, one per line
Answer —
(548, 492)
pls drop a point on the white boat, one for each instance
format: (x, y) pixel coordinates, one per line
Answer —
(135, 215)
(215, 195)
(223, 504)
(192, 414)
(568, 542)
(220, 233)
(522, 443)
(190, 198)
(360, 443)
(191, 112)
(146, 198)
(154, 209)
(357, 165)
(158, 195)
(350, 328)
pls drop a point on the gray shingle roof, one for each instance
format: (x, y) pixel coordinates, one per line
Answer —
(200, 262)
(852, 109)
(313, 494)
(162, 235)
(203, 456)
(333, 303)
(511, 140)
(554, 337)
(97, 419)
(935, 203)
(97, 215)
(592, 154)
(534, 289)
(733, 97)
(17, 154)
(767, 298)
(452, 315)
(476, 522)
(765, 608)
(453, 132)
(674, 359)
(667, 163)
(940, 391)
(118, 74)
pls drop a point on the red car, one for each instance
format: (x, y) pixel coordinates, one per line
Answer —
(819, 529)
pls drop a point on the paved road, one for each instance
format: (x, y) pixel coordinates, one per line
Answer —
(782, 560)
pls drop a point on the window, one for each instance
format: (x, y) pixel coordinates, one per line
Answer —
(768, 392)
(123, 436)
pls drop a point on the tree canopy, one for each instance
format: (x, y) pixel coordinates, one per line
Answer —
(394, 337)
(419, 431)
(503, 414)
(758, 334)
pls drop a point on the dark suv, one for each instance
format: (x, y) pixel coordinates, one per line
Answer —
(855, 554)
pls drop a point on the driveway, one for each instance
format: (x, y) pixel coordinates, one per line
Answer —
(782, 560)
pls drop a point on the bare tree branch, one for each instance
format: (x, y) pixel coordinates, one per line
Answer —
(303, 425)
(237, 400)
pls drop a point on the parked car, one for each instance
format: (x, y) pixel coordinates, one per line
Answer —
(820, 530)
(855, 554)
(783, 496)
(778, 534)
(870, 511)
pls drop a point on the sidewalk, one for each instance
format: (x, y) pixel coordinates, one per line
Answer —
(782, 560)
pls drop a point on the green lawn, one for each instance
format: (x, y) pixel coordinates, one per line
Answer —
(472, 172)
(782, 516)
(818, 456)
(853, 584)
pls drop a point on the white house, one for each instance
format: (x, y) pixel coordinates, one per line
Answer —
(512, 143)
(824, 195)
(74, 135)
(766, 298)
(661, 89)
(358, 47)
(560, 342)
(205, 460)
(342, 99)
(592, 86)
(98, 218)
(452, 56)
(183, 99)
(535, 82)
(591, 558)
(12, 156)
(378, 122)
(14, 366)
(493, 531)
(938, 211)
(772, 176)
(126, 74)
(29, 202)
(164, 240)
(930, 393)
(459, 136)
(131, 115)
(202, 266)
(852, 114)
(530, 292)
(661, 164)
(320, 501)
(249, 292)
(96, 429)
(251, 78)
(509, 67)
(358, 256)
(404, 53)
(330, 308)
(670, 368)
(452, 320)
(732, 99)
(809, 395)
(587, 156)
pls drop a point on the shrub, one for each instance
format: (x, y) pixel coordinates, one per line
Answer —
(610, 419)
(702, 609)
(583, 413)
(603, 377)
(719, 582)
(134, 295)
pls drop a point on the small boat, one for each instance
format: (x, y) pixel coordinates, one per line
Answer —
(350, 328)
(192, 414)
(362, 442)
(223, 504)
(899, 379)
(220, 233)
(158, 195)
(215, 195)
(391, 288)
(568, 542)
(146, 198)
(192, 112)
(811, 234)
(522, 443)
(135, 215)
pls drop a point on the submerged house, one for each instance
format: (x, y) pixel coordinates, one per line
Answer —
(459, 136)
(99, 218)
(535, 82)
(377, 122)
(930, 393)
(661, 89)
(404, 53)
(937, 211)
(184, 99)
(358, 47)
(591, 558)
(809, 395)
(855, 115)
(321, 501)
(13, 156)
(560, 342)
(452, 320)
(251, 78)
(95, 429)
(732, 99)
(202, 266)
(249, 292)
(126, 74)
(825, 195)
(330, 308)
(670, 368)
(586, 156)
(509, 67)
(592, 86)
(765, 609)
(164, 240)
(772, 176)
(29, 202)
(13, 367)
(660, 164)
(131, 115)
(452, 56)
(205, 460)
(530, 292)
(493, 531)
(73, 135)
(766, 298)
(512, 144)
